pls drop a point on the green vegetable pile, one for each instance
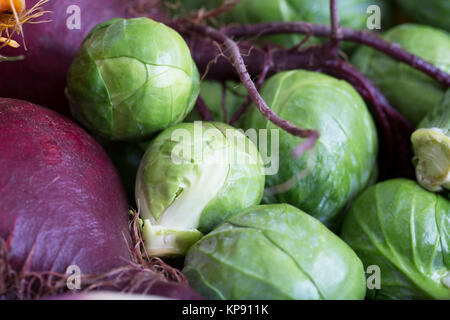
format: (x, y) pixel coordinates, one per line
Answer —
(253, 212)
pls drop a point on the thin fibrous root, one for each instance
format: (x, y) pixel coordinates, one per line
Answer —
(11, 22)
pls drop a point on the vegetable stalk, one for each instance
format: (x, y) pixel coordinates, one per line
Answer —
(432, 148)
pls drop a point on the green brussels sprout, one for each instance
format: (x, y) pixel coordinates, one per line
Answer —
(191, 178)
(352, 13)
(413, 93)
(432, 147)
(323, 181)
(211, 92)
(274, 252)
(433, 12)
(404, 230)
(132, 78)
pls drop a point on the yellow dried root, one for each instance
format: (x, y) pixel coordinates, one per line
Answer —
(13, 14)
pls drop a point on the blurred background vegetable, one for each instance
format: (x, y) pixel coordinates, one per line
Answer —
(293, 256)
(191, 178)
(322, 181)
(404, 230)
(410, 91)
(63, 205)
(126, 157)
(55, 196)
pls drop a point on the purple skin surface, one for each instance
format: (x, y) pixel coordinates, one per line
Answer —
(41, 77)
(61, 200)
(160, 291)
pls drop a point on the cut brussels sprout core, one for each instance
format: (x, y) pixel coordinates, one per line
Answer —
(191, 177)
(432, 148)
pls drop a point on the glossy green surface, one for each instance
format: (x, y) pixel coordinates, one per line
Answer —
(432, 12)
(413, 93)
(131, 78)
(274, 252)
(217, 172)
(353, 13)
(340, 165)
(405, 230)
(431, 144)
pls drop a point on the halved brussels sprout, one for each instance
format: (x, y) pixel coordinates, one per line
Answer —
(191, 178)
(131, 78)
(432, 12)
(352, 13)
(274, 252)
(405, 231)
(432, 148)
(413, 93)
(323, 181)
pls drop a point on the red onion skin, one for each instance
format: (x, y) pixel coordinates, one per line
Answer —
(61, 200)
(41, 77)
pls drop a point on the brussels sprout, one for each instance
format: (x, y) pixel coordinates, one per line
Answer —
(413, 93)
(211, 92)
(353, 13)
(132, 78)
(341, 163)
(404, 230)
(274, 252)
(432, 148)
(191, 178)
(126, 157)
(433, 12)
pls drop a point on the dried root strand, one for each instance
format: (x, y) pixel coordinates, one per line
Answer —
(13, 15)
